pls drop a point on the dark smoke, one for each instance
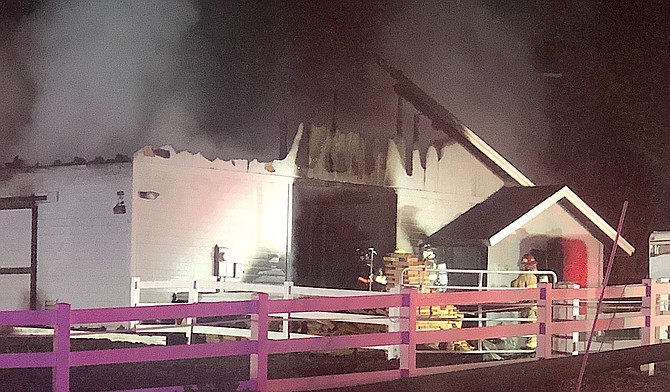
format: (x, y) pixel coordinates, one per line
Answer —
(15, 89)
(106, 78)
(101, 78)
(477, 61)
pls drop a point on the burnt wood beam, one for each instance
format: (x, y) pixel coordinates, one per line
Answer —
(399, 117)
(33, 258)
(442, 119)
(20, 203)
(415, 130)
(15, 270)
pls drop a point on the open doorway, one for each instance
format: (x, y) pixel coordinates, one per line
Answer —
(331, 220)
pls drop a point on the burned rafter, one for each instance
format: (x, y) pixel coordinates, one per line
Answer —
(445, 121)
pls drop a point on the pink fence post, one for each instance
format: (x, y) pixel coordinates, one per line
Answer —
(408, 329)
(60, 374)
(544, 320)
(258, 362)
(648, 333)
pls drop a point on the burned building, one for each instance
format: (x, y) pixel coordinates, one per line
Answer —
(87, 229)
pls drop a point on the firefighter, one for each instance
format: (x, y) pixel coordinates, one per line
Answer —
(373, 274)
(528, 263)
(430, 261)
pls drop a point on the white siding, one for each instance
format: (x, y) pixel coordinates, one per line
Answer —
(83, 248)
(554, 223)
(202, 204)
(15, 235)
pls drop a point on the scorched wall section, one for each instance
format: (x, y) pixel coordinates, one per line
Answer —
(332, 220)
(450, 184)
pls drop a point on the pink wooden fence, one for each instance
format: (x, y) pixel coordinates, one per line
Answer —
(259, 347)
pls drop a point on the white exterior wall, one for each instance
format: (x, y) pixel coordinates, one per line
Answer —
(659, 254)
(203, 203)
(555, 222)
(432, 197)
(83, 249)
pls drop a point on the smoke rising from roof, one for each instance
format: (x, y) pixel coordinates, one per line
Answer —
(109, 77)
(477, 61)
(106, 76)
(15, 90)
(475, 58)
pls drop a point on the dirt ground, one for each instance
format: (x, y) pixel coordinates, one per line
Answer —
(223, 374)
(622, 380)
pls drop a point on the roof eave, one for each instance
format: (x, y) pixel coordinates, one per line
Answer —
(597, 220)
(576, 201)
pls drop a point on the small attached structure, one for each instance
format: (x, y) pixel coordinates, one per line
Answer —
(567, 234)
(69, 241)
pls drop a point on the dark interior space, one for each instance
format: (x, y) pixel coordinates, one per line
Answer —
(330, 221)
(463, 257)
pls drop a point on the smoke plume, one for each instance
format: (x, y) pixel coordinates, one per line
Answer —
(16, 92)
(106, 76)
(477, 61)
(97, 78)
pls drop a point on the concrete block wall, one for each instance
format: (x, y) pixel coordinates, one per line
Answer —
(83, 247)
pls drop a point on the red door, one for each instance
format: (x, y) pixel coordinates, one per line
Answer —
(575, 261)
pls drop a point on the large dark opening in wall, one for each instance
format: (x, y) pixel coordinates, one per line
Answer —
(330, 221)
(463, 257)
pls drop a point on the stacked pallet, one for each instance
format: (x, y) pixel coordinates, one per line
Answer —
(434, 318)
(395, 263)
(428, 317)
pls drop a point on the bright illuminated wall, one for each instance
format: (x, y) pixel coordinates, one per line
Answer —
(83, 248)
(200, 204)
(554, 224)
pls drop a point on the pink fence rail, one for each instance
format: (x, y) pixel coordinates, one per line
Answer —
(259, 347)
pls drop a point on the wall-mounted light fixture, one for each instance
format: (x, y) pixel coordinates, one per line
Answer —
(120, 207)
(148, 195)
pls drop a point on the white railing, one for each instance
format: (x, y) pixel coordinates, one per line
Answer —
(425, 272)
(203, 289)
(259, 346)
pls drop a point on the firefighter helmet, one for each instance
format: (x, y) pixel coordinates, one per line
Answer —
(528, 259)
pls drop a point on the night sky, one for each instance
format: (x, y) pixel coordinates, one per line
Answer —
(569, 91)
